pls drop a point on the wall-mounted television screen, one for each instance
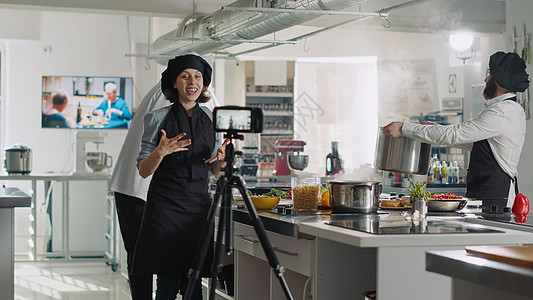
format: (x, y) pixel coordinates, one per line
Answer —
(82, 102)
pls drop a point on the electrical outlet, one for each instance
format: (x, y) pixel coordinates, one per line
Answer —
(47, 49)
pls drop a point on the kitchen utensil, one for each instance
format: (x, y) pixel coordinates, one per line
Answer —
(446, 205)
(98, 161)
(355, 196)
(402, 155)
(261, 202)
(18, 160)
(297, 161)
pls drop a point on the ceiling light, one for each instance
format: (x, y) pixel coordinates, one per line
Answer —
(461, 41)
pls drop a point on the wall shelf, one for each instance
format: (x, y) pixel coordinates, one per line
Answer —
(268, 113)
(269, 94)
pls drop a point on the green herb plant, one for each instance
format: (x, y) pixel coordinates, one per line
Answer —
(417, 190)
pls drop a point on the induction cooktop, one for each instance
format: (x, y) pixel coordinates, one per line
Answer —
(385, 224)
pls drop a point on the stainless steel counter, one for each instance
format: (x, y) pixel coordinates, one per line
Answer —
(13, 197)
(110, 254)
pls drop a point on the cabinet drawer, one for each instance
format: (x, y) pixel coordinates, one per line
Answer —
(294, 254)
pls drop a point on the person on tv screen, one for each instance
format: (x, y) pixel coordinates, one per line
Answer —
(113, 108)
(53, 117)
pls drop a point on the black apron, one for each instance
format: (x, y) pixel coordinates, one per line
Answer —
(485, 179)
(178, 200)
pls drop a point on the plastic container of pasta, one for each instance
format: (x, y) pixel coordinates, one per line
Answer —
(305, 192)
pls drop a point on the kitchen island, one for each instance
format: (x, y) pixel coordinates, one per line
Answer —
(475, 277)
(325, 260)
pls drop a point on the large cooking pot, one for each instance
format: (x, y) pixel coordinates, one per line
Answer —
(402, 155)
(18, 160)
(354, 196)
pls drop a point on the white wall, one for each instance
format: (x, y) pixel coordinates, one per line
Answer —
(81, 44)
(518, 14)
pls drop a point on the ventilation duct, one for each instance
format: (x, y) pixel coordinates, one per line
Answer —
(233, 25)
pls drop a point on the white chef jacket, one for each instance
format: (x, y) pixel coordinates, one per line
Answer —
(126, 178)
(502, 123)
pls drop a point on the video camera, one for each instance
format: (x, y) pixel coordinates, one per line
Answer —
(235, 119)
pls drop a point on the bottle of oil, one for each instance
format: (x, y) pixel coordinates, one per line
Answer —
(78, 113)
(433, 163)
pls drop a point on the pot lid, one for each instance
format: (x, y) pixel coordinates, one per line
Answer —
(348, 181)
(18, 148)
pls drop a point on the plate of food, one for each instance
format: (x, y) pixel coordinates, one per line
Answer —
(398, 204)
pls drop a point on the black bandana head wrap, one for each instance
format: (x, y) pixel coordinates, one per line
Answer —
(176, 66)
(509, 71)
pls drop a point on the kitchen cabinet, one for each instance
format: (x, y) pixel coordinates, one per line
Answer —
(252, 267)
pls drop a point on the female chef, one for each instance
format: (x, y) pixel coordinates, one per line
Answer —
(495, 136)
(178, 148)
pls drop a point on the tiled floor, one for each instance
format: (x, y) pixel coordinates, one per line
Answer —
(69, 280)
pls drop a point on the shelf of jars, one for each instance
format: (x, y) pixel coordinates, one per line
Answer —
(272, 109)
(269, 94)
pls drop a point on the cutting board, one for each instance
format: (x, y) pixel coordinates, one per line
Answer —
(514, 255)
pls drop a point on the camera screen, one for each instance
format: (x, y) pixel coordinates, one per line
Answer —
(232, 119)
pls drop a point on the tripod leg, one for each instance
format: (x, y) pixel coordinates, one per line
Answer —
(263, 238)
(203, 245)
(225, 213)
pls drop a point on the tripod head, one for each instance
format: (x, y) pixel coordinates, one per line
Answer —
(230, 152)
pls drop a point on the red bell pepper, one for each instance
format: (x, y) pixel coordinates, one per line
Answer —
(520, 205)
(520, 219)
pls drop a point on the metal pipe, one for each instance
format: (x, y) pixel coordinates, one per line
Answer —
(302, 11)
(237, 41)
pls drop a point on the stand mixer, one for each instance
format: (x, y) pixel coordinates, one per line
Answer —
(284, 148)
(82, 138)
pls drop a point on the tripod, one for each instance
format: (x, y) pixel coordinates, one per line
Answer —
(224, 197)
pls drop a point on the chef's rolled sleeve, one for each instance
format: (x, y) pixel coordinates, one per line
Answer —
(150, 137)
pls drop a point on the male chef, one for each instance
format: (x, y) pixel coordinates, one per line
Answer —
(495, 136)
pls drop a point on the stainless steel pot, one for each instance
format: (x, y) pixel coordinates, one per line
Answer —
(355, 196)
(18, 160)
(402, 155)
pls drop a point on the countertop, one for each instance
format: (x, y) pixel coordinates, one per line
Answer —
(460, 265)
(13, 197)
(57, 176)
(315, 225)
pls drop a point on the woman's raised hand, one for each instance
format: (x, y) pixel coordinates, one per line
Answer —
(170, 145)
(221, 153)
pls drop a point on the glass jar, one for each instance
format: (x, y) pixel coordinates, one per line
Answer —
(305, 193)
